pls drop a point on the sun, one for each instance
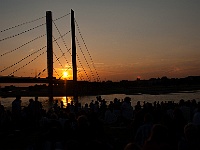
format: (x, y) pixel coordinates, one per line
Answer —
(65, 74)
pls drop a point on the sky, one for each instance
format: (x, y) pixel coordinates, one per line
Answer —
(126, 39)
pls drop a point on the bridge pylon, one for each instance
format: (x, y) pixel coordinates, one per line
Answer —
(74, 65)
(49, 53)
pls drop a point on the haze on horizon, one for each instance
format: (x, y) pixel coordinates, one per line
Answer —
(126, 39)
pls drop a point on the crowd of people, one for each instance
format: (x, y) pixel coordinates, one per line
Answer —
(114, 125)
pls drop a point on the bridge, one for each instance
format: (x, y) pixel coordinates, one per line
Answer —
(7, 79)
(55, 55)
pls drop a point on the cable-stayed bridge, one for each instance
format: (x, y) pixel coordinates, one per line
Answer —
(41, 50)
(26, 47)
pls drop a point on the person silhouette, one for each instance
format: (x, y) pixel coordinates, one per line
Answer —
(16, 109)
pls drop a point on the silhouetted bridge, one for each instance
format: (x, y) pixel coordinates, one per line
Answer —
(56, 41)
(28, 80)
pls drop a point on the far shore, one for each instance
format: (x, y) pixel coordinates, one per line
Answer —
(88, 91)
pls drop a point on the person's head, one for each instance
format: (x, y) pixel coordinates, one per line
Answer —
(36, 98)
(191, 132)
(31, 100)
(18, 97)
(127, 99)
(159, 133)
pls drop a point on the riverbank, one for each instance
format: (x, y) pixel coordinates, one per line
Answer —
(88, 90)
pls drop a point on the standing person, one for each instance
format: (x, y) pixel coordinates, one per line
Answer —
(37, 109)
(16, 109)
(196, 116)
(158, 139)
(191, 138)
(143, 132)
(127, 110)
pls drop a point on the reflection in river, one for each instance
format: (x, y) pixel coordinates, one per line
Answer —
(87, 99)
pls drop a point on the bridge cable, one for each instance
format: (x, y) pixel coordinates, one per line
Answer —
(22, 24)
(30, 54)
(41, 73)
(12, 36)
(53, 41)
(80, 75)
(56, 72)
(85, 57)
(68, 49)
(82, 67)
(61, 17)
(63, 54)
(22, 45)
(58, 59)
(86, 48)
(61, 36)
(26, 64)
(22, 59)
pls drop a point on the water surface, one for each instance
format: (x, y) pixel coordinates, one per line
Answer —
(186, 95)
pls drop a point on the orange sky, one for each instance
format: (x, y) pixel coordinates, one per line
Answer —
(125, 38)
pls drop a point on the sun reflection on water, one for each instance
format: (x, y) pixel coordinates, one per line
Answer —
(66, 100)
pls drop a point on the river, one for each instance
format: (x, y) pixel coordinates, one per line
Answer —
(186, 95)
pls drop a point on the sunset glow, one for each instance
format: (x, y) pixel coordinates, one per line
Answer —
(65, 74)
(114, 40)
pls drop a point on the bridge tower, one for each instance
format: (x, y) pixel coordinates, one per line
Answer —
(49, 53)
(74, 65)
(73, 47)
